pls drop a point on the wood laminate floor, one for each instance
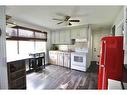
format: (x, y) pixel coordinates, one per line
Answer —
(57, 77)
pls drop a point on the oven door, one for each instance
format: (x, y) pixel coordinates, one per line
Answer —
(78, 60)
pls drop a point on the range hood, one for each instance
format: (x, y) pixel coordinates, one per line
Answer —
(80, 40)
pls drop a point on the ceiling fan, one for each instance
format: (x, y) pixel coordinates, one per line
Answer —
(66, 20)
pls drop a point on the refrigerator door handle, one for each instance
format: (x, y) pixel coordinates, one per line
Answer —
(100, 65)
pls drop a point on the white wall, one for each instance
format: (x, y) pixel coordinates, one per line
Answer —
(3, 64)
(89, 56)
(125, 35)
(121, 18)
(118, 21)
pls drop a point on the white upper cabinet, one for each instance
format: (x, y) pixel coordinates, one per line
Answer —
(53, 37)
(65, 36)
(80, 33)
(62, 35)
(57, 37)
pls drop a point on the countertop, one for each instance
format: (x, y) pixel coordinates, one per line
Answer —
(68, 51)
(17, 57)
(63, 50)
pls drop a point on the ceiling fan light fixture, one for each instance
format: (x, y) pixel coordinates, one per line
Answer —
(70, 24)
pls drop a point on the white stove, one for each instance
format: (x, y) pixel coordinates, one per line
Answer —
(78, 59)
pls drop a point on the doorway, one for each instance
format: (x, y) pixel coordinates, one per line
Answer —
(97, 36)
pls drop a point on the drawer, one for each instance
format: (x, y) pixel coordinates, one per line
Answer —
(18, 84)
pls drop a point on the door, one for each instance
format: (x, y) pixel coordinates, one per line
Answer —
(96, 47)
(97, 35)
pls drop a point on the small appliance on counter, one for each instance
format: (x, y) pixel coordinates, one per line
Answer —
(54, 47)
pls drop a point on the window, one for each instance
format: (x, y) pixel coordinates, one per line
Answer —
(23, 33)
(26, 33)
(26, 47)
(40, 46)
(11, 48)
(25, 41)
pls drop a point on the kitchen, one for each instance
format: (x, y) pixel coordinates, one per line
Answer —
(44, 52)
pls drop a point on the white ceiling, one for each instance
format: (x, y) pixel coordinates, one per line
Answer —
(42, 15)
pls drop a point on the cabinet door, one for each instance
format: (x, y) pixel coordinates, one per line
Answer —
(83, 33)
(67, 37)
(57, 36)
(80, 33)
(67, 60)
(53, 37)
(73, 34)
(62, 37)
(60, 59)
(53, 57)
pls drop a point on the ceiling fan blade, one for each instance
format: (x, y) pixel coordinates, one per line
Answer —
(60, 22)
(74, 20)
(57, 19)
(69, 23)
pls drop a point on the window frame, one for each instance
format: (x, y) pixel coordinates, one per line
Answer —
(28, 38)
(34, 38)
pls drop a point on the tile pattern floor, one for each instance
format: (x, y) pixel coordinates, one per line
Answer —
(57, 77)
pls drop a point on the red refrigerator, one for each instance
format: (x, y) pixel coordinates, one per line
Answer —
(111, 60)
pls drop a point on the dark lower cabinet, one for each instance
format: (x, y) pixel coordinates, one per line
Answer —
(17, 74)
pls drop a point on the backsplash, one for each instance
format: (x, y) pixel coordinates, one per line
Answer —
(72, 47)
